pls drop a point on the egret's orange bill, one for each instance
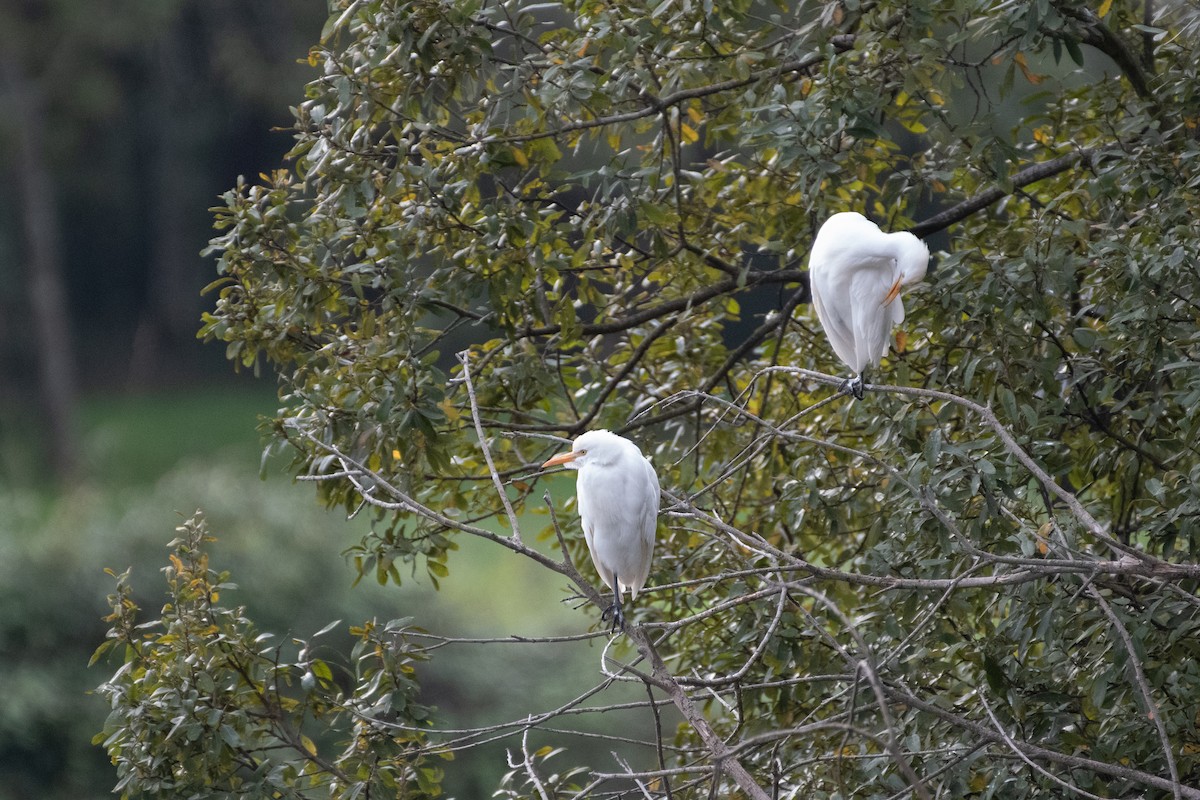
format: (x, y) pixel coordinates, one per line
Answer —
(892, 293)
(561, 458)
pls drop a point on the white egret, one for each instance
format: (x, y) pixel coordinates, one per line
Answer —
(856, 272)
(618, 496)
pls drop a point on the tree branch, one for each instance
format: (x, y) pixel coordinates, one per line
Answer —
(656, 105)
(1045, 754)
(723, 758)
(1100, 36)
(1031, 174)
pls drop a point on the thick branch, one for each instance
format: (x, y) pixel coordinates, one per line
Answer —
(722, 756)
(1031, 174)
(752, 279)
(1101, 37)
(737, 280)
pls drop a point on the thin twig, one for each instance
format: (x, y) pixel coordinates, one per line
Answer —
(464, 358)
(1142, 685)
(1029, 762)
(530, 769)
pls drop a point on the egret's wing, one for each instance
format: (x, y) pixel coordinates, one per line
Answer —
(644, 502)
(594, 517)
(653, 499)
(829, 296)
(619, 506)
(871, 320)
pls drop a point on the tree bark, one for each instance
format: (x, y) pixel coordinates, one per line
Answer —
(171, 312)
(43, 270)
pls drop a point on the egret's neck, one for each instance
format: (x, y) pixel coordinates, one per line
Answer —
(912, 256)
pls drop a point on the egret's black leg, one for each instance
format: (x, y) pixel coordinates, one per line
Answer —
(618, 618)
(853, 386)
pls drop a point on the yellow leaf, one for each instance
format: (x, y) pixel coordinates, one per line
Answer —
(519, 156)
(901, 341)
(308, 744)
(1042, 136)
(688, 133)
(695, 115)
(1042, 535)
(1104, 8)
(1030, 75)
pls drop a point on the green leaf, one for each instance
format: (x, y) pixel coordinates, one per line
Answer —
(1084, 337)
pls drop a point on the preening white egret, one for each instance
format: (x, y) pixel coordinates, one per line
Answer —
(617, 493)
(856, 272)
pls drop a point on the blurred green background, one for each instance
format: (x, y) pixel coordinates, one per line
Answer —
(127, 120)
(153, 459)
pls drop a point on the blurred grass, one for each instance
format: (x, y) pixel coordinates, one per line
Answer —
(133, 440)
(150, 462)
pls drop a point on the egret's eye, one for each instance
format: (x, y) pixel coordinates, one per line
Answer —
(583, 452)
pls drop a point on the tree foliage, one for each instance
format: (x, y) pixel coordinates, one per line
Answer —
(204, 704)
(981, 580)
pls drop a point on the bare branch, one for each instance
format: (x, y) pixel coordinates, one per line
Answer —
(1024, 177)
(1042, 753)
(722, 757)
(464, 358)
(656, 105)
(1012, 745)
(1141, 684)
(530, 769)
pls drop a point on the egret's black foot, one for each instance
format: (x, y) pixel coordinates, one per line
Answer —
(853, 386)
(618, 617)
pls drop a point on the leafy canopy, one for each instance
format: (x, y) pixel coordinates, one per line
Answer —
(979, 581)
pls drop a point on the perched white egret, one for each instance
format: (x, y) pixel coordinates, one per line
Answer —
(618, 508)
(856, 272)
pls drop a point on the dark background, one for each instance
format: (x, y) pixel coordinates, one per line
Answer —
(126, 122)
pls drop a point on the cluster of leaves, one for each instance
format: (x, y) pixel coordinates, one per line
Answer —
(204, 704)
(607, 206)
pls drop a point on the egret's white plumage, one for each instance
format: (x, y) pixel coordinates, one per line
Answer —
(618, 498)
(856, 272)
